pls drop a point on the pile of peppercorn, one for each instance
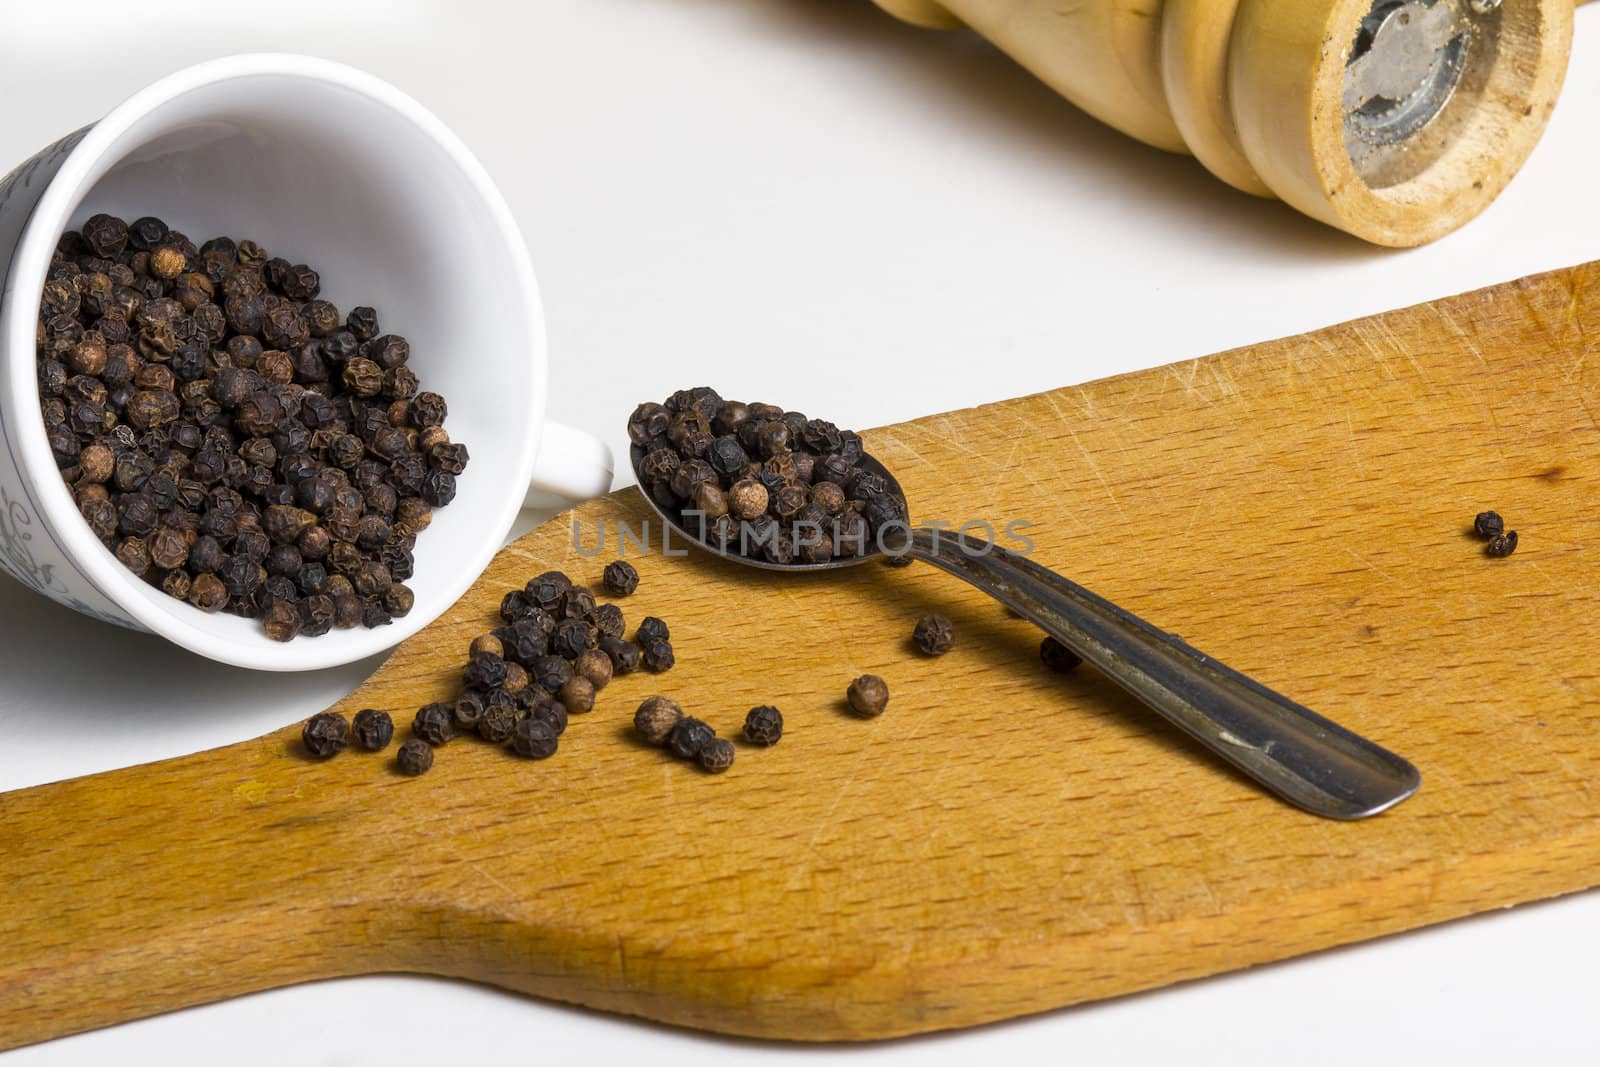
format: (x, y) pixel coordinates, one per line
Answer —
(758, 481)
(229, 436)
(557, 649)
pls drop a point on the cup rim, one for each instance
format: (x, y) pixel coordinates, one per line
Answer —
(29, 266)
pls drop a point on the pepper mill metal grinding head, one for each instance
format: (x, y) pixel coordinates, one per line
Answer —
(1394, 120)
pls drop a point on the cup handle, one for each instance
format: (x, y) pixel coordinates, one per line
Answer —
(572, 465)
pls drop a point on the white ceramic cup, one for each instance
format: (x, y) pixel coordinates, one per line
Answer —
(326, 165)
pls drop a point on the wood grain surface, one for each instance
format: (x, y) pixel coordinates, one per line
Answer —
(1002, 840)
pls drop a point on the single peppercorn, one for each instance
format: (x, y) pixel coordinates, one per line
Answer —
(608, 620)
(651, 629)
(688, 737)
(496, 723)
(763, 725)
(372, 729)
(1058, 657)
(594, 666)
(934, 635)
(1488, 524)
(1501, 545)
(434, 723)
(415, 757)
(325, 734)
(656, 718)
(534, 738)
(517, 679)
(484, 670)
(868, 695)
(620, 578)
(488, 644)
(468, 710)
(282, 621)
(625, 655)
(573, 637)
(716, 755)
(550, 672)
(576, 695)
(552, 714)
(658, 656)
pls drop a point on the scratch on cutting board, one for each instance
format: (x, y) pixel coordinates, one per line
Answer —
(1365, 562)
(1094, 468)
(479, 869)
(1450, 323)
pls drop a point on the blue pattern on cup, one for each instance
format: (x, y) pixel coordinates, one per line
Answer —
(29, 551)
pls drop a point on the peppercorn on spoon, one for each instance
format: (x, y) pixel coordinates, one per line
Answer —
(1295, 753)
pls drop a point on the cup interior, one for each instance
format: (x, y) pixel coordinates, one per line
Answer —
(322, 165)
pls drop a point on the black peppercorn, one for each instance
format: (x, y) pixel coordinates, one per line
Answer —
(550, 672)
(716, 755)
(372, 729)
(573, 637)
(651, 629)
(763, 725)
(620, 578)
(1488, 524)
(688, 737)
(1058, 657)
(553, 714)
(535, 738)
(577, 603)
(658, 656)
(415, 757)
(325, 734)
(868, 696)
(1501, 545)
(467, 711)
(484, 670)
(625, 655)
(434, 723)
(608, 620)
(496, 722)
(934, 635)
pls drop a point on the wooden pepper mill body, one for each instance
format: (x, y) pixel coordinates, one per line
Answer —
(1270, 96)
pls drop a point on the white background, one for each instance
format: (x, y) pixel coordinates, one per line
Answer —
(735, 191)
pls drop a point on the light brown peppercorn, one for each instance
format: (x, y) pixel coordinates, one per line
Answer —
(747, 499)
(710, 501)
(488, 643)
(516, 679)
(656, 717)
(576, 695)
(167, 262)
(594, 666)
(208, 593)
(868, 696)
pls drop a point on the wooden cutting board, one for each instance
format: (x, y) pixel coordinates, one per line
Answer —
(1002, 840)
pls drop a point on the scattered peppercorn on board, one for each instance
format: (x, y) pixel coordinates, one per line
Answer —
(1002, 840)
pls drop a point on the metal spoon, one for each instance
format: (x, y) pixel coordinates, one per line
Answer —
(1292, 751)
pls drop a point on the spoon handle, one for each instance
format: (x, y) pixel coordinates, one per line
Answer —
(1292, 751)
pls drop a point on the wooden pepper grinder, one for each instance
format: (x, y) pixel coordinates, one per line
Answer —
(1395, 120)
